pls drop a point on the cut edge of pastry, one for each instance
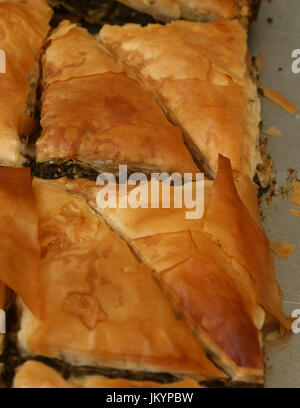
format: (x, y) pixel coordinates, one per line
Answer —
(34, 374)
(219, 357)
(243, 10)
(78, 359)
(98, 166)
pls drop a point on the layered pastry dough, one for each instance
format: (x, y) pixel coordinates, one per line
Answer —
(101, 306)
(199, 74)
(197, 10)
(209, 273)
(93, 112)
(19, 246)
(23, 28)
(37, 375)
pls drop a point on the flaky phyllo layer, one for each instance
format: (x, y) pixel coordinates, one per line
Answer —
(102, 110)
(110, 281)
(205, 88)
(93, 111)
(23, 29)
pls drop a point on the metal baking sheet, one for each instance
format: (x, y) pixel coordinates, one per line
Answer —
(276, 34)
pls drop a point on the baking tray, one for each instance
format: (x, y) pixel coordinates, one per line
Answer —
(277, 33)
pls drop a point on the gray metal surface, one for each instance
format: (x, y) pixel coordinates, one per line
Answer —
(277, 40)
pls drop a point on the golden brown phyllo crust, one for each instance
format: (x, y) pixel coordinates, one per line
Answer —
(94, 112)
(23, 28)
(97, 283)
(146, 290)
(205, 88)
(189, 258)
(101, 306)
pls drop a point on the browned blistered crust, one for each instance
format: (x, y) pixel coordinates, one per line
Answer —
(92, 111)
(201, 256)
(112, 312)
(206, 88)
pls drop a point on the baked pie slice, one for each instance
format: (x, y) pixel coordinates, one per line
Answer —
(95, 113)
(23, 28)
(196, 10)
(33, 374)
(101, 306)
(208, 272)
(199, 74)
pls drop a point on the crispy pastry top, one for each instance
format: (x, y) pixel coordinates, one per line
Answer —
(93, 111)
(193, 257)
(23, 27)
(73, 53)
(198, 72)
(110, 308)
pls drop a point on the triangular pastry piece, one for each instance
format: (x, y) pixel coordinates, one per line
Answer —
(24, 26)
(199, 74)
(207, 279)
(92, 111)
(33, 374)
(195, 10)
(101, 306)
